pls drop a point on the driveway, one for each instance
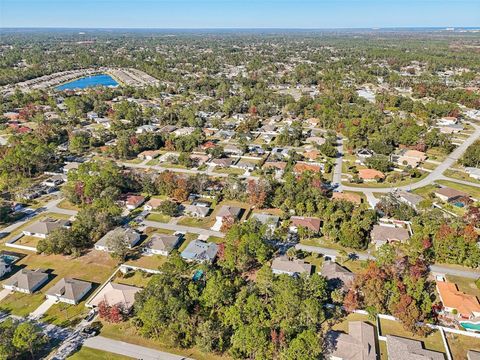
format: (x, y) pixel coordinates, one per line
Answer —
(42, 309)
(130, 350)
(4, 293)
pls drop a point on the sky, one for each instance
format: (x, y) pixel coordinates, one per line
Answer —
(239, 13)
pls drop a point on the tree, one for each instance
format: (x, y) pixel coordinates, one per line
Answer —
(169, 208)
(471, 157)
(306, 346)
(28, 337)
(119, 246)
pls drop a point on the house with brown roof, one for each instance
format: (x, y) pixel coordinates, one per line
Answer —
(336, 275)
(301, 167)
(383, 234)
(407, 157)
(283, 265)
(152, 204)
(114, 294)
(370, 175)
(134, 201)
(454, 301)
(310, 223)
(70, 291)
(450, 195)
(399, 348)
(358, 344)
(311, 155)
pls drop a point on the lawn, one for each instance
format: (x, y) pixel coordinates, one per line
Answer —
(28, 241)
(133, 278)
(436, 154)
(148, 262)
(158, 217)
(425, 191)
(385, 184)
(67, 205)
(460, 175)
(230, 170)
(65, 315)
(204, 223)
(21, 304)
(86, 353)
(460, 344)
(431, 342)
(126, 332)
(472, 190)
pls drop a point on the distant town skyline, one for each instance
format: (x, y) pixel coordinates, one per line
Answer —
(239, 14)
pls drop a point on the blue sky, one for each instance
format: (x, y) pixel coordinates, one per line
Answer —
(239, 13)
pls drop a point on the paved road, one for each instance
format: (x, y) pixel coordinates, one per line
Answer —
(126, 349)
(467, 273)
(182, 228)
(436, 174)
(337, 170)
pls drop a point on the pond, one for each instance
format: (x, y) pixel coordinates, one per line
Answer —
(87, 82)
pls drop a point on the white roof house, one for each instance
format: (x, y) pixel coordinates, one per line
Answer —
(161, 244)
(199, 250)
(130, 236)
(70, 291)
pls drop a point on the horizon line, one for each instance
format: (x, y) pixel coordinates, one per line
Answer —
(243, 28)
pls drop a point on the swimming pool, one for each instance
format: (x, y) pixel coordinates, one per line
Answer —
(470, 326)
(89, 81)
(8, 259)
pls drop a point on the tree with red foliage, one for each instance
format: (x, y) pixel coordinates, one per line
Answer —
(257, 193)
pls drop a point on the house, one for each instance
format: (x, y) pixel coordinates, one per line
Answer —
(370, 175)
(364, 154)
(408, 198)
(54, 181)
(310, 223)
(473, 355)
(26, 281)
(114, 294)
(196, 211)
(282, 265)
(317, 140)
(245, 165)
(232, 150)
(134, 201)
(277, 165)
(184, 131)
(383, 234)
(270, 221)
(161, 244)
(43, 228)
(70, 166)
(222, 162)
(201, 251)
(226, 211)
(451, 129)
(457, 302)
(4, 267)
(351, 197)
(447, 121)
(408, 157)
(148, 154)
(399, 348)
(301, 167)
(129, 235)
(146, 129)
(152, 204)
(358, 344)
(337, 276)
(70, 291)
(473, 172)
(280, 153)
(450, 195)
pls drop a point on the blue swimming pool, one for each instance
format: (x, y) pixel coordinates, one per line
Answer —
(87, 82)
(8, 259)
(470, 326)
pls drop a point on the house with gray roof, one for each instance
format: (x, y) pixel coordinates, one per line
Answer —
(399, 348)
(336, 275)
(197, 211)
(358, 344)
(128, 234)
(201, 251)
(26, 281)
(161, 244)
(43, 228)
(383, 234)
(283, 265)
(70, 291)
(411, 199)
(270, 221)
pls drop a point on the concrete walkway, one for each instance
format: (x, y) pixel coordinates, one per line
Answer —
(42, 309)
(4, 293)
(131, 350)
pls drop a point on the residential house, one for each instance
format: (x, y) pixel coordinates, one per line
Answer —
(301, 167)
(226, 211)
(317, 140)
(4, 267)
(447, 121)
(310, 223)
(222, 162)
(152, 204)
(232, 150)
(146, 129)
(364, 154)
(196, 210)
(473, 172)
(452, 195)
(408, 198)
(456, 302)
(162, 244)
(358, 344)
(473, 355)
(311, 155)
(70, 166)
(245, 165)
(26, 281)
(270, 221)
(280, 153)
(70, 291)
(351, 197)
(407, 157)
(148, 154)
(113, 294)
(43, 228)
(282, 265)
(184, 131)
(383, 234)
(337, 276)
(130, 236)
(134, 201)
(370, 175)
(400, 348)
(201, 251)
(54, 181)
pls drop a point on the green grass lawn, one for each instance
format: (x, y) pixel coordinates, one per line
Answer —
(436, 154)
(471, 190)
(431, 342)
(466, 285)
(21, 304)
(425, 191)
(385, 184)
(460, 344)
(28, 241)
(86, 353)
(125, 331)
(460, 175)
(67, 205)
(204, 223)
(230, 170)
(65, 315)
(158, 217)
(133, 278)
